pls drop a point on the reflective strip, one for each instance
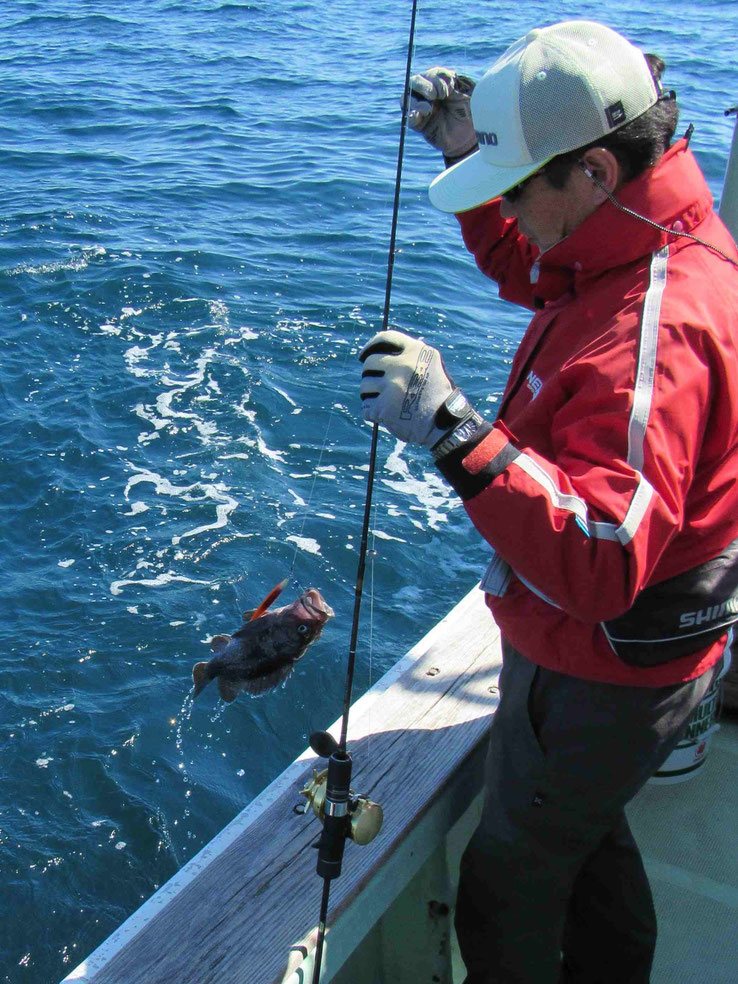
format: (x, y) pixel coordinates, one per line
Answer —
(715, 627)
(640, 412)
(540, 594)
(646, 372)
(642, 400)
(571, 503)
(636, 511)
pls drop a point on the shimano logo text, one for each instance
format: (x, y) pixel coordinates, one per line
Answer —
(688, 620)
(486, 138)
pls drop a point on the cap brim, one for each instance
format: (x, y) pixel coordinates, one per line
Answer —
(473, 182)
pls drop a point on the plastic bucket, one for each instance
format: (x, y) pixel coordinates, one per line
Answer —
(691, 753)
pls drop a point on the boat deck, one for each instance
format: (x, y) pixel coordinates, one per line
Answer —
(688, 834)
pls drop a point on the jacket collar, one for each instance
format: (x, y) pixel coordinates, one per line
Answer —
(673, 193)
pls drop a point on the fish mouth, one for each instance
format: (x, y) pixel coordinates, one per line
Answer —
(314, 605)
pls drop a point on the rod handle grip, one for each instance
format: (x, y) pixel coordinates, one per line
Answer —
(337, 821)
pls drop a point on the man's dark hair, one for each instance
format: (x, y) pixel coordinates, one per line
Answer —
(637, 145)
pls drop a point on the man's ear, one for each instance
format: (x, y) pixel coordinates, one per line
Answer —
(601, 167)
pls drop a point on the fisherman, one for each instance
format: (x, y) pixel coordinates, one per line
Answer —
(607, 487)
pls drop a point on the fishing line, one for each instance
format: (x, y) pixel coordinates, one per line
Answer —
(330, 848)
(650, 222)
(372, 555)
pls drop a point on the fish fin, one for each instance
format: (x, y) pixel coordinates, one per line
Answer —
(228, 690)
(260, 685)
(219, 642)
(247, 616)
(200, 677)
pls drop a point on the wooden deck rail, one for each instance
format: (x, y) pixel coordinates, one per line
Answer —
(246, 907)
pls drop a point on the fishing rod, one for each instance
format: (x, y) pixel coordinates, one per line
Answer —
(329, 793)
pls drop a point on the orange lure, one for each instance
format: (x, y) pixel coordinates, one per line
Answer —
(270, 598)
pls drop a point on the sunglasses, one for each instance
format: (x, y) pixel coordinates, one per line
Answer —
(515, 193)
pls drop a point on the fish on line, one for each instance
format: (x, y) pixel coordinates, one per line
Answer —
(263, 652)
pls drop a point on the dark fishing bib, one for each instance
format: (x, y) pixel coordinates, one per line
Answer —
(680, 615)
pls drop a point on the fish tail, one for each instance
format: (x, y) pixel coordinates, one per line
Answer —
(201, 677)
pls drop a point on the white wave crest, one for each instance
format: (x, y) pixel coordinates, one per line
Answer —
(196, 492)
(152, 582)
(305, 543)
(430, 493)
(76, 262)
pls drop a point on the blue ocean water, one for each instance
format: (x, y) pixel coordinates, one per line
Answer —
(193, 246)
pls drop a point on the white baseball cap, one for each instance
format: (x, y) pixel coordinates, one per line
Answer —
(556, 89)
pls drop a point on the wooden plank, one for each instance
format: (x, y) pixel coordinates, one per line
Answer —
(439, 837)
(245, 908)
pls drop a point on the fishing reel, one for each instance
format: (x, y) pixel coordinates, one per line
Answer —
(342, 812)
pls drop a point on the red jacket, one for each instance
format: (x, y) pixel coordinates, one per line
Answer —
(614, 463)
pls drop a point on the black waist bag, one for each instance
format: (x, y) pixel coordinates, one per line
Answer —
(680, 615)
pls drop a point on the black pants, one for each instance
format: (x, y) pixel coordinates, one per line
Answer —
(553, 868)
